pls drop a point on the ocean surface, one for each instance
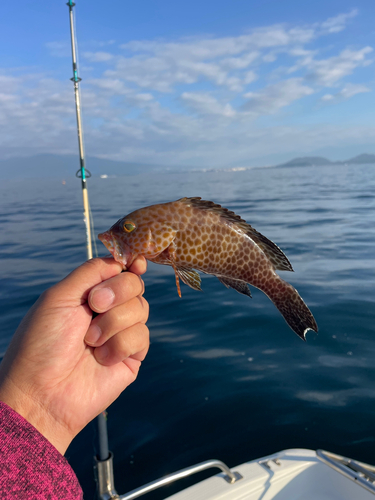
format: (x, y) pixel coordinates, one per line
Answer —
(225, 377)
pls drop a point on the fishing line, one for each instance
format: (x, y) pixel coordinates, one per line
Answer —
(93, 231)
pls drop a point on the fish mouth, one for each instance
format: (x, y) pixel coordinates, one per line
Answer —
(121, 252)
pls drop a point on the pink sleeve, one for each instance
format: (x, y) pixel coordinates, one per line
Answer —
(30, 466)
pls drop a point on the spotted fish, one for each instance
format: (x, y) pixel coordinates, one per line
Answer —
(191, 233)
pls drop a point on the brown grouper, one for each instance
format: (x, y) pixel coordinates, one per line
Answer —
(191, 233)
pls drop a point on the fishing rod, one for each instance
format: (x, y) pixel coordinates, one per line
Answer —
(82, 172)
(104, 466)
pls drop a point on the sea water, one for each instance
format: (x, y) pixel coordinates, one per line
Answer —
(225, 377)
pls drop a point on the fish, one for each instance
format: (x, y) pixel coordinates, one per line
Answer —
(191, 234)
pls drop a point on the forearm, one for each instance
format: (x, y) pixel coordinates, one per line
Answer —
(30, 466)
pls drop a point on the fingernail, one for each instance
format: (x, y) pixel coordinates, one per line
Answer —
(93, 334)
(101, 353)
(102, 298)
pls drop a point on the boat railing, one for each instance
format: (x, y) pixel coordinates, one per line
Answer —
(105, 481)
(363, 474)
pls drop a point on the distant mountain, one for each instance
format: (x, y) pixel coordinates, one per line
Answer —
(364, 158)
(50, 165)
(308, 161)
(62, 166)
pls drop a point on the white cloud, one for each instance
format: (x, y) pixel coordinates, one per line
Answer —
(270, 57)
(249, 77)
(192, 101)
(277, 96)
(327, 72)
(206, 104)
(112, 85)
(337, 23)
(98, 56)
(241, 62)
(144, 97)
(63, 48)
(8, 83)
(7, 98)
(161, 65)
(347, 92)
(351, 89)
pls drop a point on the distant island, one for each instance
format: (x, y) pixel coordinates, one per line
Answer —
(310, 161)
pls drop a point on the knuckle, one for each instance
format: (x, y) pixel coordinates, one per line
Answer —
(135, 284)
(50, 297)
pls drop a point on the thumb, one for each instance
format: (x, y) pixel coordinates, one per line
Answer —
(76, 287)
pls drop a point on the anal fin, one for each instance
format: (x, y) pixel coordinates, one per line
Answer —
(238, 285)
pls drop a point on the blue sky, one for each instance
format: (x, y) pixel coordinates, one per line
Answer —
(201, 84)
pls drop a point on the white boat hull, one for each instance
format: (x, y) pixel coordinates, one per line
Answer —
(295, 474)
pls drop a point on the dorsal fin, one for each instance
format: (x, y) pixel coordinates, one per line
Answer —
(273, 252)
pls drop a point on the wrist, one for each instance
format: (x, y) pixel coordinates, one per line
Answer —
(38, 416)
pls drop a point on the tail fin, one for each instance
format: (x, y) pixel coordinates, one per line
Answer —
(292, 307)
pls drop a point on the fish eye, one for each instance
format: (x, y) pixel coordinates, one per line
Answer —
(129, 226)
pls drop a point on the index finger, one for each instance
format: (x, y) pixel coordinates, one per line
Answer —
(115, 291)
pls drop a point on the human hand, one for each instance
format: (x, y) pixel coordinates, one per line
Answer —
(54, 373)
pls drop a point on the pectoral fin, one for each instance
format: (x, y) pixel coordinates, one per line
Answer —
(240, 286)
(189, 277)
